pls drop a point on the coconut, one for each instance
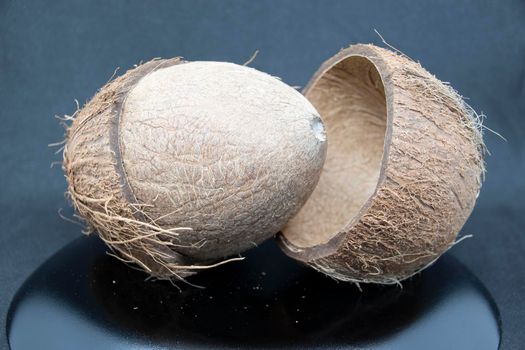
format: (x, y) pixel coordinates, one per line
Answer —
(403, 169)
(180, 164)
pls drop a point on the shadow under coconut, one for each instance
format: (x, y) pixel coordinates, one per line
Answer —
(82, 298)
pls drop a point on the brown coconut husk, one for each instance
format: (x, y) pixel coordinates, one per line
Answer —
(175, 171)
(403, 170)
(111, 208)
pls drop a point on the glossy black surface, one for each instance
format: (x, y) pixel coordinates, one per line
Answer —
(84, 299)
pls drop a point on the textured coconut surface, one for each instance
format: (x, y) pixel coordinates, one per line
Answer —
(179, 164)
(54, 52)
(404, 168)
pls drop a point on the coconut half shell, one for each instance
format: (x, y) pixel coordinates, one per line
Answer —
(403, 169)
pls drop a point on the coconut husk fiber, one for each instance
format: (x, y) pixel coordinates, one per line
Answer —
(403, 170)
(179, 165)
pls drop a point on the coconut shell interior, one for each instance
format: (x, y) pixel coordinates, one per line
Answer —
(404, 168)
(350, 97)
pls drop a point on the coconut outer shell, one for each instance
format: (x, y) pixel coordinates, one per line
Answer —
(403, 170)
(177, 165)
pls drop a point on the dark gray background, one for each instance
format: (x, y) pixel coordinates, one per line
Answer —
(52, 52)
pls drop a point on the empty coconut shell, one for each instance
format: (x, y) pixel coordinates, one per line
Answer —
(180, 164)
(403, 170)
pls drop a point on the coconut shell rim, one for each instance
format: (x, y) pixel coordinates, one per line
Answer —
(307, 254)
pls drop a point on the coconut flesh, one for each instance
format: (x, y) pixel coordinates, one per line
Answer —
(403, 169)
(177, 165)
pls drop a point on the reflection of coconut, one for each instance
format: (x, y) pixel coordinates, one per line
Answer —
(225, 150)
(403, 169)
